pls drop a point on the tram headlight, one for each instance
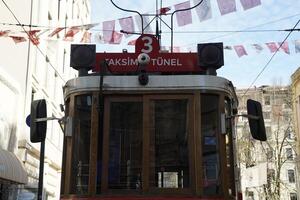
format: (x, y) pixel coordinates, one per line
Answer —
(210, 55)
(83, 56)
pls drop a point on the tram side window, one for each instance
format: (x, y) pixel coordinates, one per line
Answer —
(169, 163)
(210, 146)
(125, 145)
(229, 147)
(81, 145)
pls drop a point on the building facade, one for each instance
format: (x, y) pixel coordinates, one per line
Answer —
(268, 169)
(296, 111)
(39, 71)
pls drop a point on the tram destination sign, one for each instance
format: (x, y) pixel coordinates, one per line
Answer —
(159, 61)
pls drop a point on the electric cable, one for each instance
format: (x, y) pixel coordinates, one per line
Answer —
(229, 34)
(274, 54)
(41, 52)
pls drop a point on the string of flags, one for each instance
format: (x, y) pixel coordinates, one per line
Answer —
(271, 46)
(128, 24)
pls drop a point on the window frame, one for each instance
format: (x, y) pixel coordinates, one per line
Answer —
(195, 144)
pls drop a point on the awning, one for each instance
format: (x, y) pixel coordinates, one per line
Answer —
(11, 168)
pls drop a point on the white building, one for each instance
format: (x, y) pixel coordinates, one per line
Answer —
(39, 72)
(264, 163)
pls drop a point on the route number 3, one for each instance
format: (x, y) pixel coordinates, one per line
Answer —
(147, 44)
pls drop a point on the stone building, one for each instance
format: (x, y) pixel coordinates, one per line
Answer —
(38, 71)
(265, 165)
(296, 112)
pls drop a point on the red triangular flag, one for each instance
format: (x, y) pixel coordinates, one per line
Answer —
(4, 33)
(163, 11)
(71, 33)
(86, 38)
(183, 17)
(17, 39)
(56, 31)
(131, 42)
(33, 37)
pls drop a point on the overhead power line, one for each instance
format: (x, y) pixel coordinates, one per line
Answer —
(267, 64)
(41, 52)
(246, 29)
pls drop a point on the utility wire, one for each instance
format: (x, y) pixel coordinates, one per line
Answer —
(45, 56)
(229, 34)
(267, 64)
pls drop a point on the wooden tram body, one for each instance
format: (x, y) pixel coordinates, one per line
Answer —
(149, 130)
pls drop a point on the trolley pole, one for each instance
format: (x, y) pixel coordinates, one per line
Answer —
(41, 172)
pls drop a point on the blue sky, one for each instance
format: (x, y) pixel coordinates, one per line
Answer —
(271, 15)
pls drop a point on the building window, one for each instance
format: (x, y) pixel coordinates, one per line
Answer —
(270, 176)
(291, 175)
(289, 153)
(269, 154)
(289, 134)
(293, 196)
(250, 195)
(269, 132)
(267, 115)
(267, 100)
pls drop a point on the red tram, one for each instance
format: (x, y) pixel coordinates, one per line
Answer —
(150, 125)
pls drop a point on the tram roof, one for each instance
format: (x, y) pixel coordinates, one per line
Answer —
(130, 83)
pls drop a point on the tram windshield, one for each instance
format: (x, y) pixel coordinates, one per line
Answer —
(150, 143)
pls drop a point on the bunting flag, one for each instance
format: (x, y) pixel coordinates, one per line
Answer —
(56, 31)
(272, 46)
(98, 38)
(258, 48)
(284, 46)
(183, 17)
(18, 39)
(131, 42)
(297, 46)
(247, 4)
(176, 49)
(203, 10)
(164, 10)
(116, 38)
(164, 48)
(86, 38)
(89, 26)
(127, 25)
(146, 23)
(4, 33)
(226, 6)
(108, 30)
(33, 37)
(240, 50)
(71, 33)
(227, 47)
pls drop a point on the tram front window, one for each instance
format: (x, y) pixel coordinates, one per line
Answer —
(81, 145)
(125, 145)
(210, 146)
(169, 163)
